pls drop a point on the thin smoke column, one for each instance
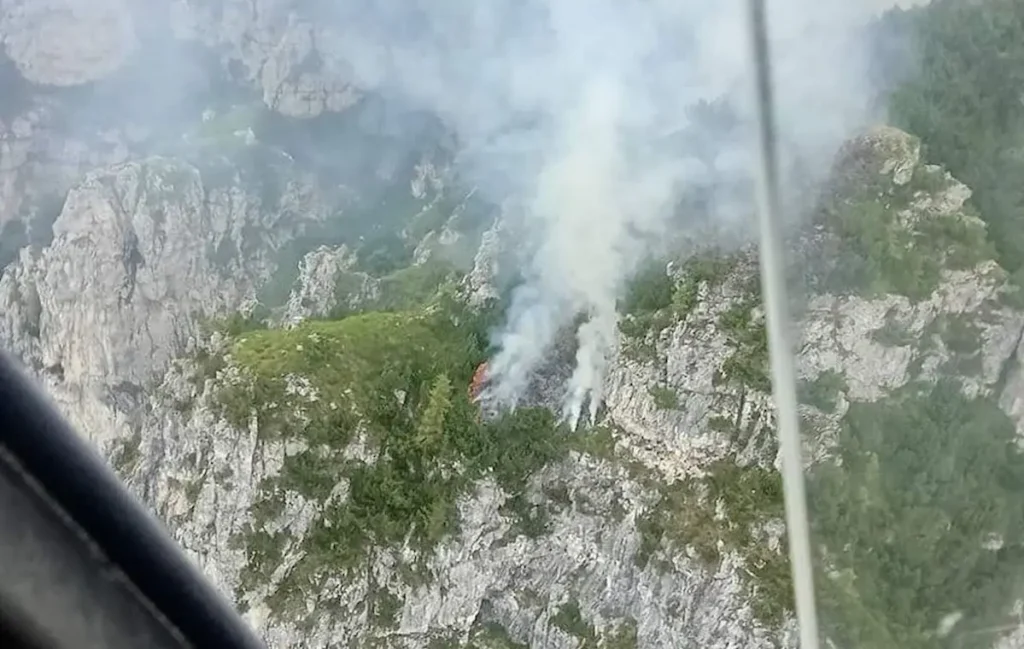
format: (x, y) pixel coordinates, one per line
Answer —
(595, 217)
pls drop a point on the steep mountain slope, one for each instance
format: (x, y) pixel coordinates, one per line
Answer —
(272, 343)
(332, 477)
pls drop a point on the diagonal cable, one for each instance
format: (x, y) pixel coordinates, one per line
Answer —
(773, 288)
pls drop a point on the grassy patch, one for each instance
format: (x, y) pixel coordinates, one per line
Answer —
(237, 324)
(624, 637)
(263, 554)
(569, 619)
(650, 291)
(403, 290)
(350, 289)
(530, 520)
(386, 607)
(414, 286)
(599, 442)
(960, 334)
(127, 454)
(359, 364)
(892, 333)
(647, 306)
(652, 531)
(489, 636)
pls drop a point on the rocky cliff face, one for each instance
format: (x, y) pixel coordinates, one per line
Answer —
(281, 53)
(140, 252)
(44, 39)
(275, 362)
(615, 538)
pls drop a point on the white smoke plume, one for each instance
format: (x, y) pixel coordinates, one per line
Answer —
(568, 107)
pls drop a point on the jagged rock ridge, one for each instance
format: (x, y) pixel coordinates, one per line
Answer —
(593, 545)
(616, 538)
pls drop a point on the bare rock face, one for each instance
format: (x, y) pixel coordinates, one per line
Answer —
(38, 164)
(276, 49)
(267, 44)
(294, 80)
(66, 42)
(316, 290)
(139, 258)
(678, 439)
(480, 284)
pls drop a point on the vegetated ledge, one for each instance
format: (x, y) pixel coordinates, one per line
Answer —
(886, 223)
(389, 440)
(889, 225)
(384, 440)
(893, 225)
(901, 541)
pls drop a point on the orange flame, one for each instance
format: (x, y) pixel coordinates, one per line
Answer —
(477, 384)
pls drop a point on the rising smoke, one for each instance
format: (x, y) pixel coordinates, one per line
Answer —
(567, 106)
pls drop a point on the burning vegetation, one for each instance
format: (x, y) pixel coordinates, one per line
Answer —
(476, 385)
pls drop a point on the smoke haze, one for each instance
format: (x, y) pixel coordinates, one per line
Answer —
(593, 118)
(566, 106)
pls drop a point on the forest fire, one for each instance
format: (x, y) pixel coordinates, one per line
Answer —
(476, 385)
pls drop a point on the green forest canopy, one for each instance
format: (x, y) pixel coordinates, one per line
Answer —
(922, 519)
(964, 101)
